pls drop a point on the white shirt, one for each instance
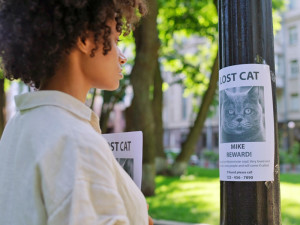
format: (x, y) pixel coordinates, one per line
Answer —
(57, 169)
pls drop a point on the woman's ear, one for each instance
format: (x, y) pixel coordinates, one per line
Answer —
(85, 43)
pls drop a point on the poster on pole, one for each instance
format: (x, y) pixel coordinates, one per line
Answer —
(246, 127)
(127, 148)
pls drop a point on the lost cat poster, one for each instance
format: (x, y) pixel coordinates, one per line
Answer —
(127, 148)
(246, 128)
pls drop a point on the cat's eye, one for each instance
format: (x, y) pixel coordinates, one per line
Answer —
(248, 111)
(230, 111)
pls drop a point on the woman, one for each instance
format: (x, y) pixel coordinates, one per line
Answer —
(55, 167)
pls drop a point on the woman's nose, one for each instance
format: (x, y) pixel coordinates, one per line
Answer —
(122, 58)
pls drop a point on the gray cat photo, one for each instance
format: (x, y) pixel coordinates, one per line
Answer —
(242, 117)
(127, 164)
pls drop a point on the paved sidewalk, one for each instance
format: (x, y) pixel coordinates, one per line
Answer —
(165, 222)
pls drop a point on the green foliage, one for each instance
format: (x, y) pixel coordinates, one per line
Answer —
(279, 5)
(6, 81)
(178, 22)
(171, 154)
(283, 155)
(294, 154)
(7, 84)
(290, 203)
(278, 9)
(211, 156)
(1, 74)
(186, 17)
(291, 156)
(181, 23)
(276, 21)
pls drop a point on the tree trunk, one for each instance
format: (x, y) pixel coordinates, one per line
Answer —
(129, 118)
(110, 99)
(104, 117)
(2, 107)
(142, 75)
(188, 147)
(160, 159)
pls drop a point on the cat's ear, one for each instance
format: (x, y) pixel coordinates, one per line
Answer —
(261, 96)
(253, 92)
(226, 94)
(223, 97)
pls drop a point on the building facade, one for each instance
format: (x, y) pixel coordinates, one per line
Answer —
(287, 58)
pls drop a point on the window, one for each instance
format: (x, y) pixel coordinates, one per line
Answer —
(295, 102)
(183, 137)
(279, 65)
(216, 140)
(293, 35)
(292, 4)
(204, 139)
(294, 68)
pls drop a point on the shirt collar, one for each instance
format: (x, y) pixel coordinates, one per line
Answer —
(60, 99)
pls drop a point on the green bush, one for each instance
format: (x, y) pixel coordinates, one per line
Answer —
(291, 156)
(283, 157)
(210, 156)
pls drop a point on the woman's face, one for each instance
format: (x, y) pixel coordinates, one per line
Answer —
(105, 71)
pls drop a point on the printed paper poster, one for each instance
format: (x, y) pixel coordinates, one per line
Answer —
(127, 148)
(246, 128)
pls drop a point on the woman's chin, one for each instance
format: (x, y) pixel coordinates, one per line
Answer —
(112, 87)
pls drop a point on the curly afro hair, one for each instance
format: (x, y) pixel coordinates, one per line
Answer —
(35, 35)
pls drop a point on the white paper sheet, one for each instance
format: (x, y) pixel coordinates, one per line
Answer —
(127, 148)
(246, 127)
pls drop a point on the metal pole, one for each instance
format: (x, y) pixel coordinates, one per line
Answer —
(246, 36)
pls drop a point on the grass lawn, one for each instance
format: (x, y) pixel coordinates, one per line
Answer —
(195, 197)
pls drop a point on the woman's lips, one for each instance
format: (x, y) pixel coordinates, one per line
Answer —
(121, 74)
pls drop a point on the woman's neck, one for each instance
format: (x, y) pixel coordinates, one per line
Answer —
(68, 78)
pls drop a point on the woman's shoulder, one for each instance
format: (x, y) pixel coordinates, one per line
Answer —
(53, 129)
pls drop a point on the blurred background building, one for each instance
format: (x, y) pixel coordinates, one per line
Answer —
(287, 57)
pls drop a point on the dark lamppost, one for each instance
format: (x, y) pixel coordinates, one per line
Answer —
(246, 37)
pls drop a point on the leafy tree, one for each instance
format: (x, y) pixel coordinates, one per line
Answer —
(179, 22)
(142, 75)
(293, 155)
